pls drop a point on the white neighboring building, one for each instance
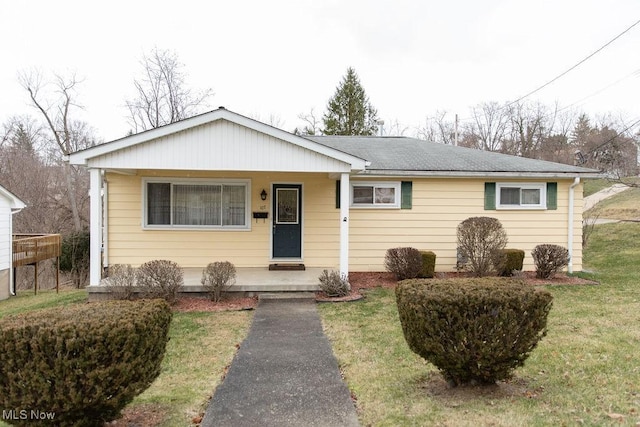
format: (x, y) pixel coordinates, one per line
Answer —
(9, 204)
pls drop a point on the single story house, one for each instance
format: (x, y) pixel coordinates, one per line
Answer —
(224, 187)
(9, 205)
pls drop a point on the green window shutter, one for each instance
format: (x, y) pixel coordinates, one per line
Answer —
(552, 195)
(406, 188)
(338, 194)
(489, 196)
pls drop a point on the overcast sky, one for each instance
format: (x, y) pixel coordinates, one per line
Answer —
(281, 58)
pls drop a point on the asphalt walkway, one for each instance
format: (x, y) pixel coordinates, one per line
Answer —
(284, 374)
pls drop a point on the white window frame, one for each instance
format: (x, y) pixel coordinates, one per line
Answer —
(396, 185)
(541, 186)
(190, 181)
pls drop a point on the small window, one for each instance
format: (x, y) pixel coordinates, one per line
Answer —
(521, 196)
(375, 194)
(196, 204)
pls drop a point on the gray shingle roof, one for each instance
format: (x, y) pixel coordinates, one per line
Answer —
(401, 154)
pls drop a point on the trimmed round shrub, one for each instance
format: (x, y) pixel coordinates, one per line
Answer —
(334, 284)
(218, 277)
(473, 330)
(428, 264)
(121, 281)
(405, 263)
(549, 259)
(83, 363)
(509, 260)
(479, 240)
(160, 278)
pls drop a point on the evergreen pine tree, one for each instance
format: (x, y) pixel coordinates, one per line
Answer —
(349, 111)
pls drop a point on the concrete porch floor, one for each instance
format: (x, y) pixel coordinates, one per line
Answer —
(248, 280)
(261, 280)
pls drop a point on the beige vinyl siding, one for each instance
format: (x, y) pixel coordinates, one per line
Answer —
(439, 205)
(129, 242)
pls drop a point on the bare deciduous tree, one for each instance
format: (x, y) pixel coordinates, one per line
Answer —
(162, 95)
(68, 135)
(438, 129)
(313, 124)
(489, 125)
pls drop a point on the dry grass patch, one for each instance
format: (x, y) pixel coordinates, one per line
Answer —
(199, 350)
(622, 206)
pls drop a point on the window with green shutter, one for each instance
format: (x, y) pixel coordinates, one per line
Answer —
(520, 195)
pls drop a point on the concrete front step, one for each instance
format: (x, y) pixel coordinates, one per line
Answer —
(286, 295)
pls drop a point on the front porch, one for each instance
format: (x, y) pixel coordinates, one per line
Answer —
(250, 281)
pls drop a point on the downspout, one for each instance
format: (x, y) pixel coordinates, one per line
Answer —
(576, 181)
(12, 284)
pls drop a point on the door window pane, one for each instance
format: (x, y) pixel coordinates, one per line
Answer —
(287, 205)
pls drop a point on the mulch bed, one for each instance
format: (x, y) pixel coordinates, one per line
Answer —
(360, 283)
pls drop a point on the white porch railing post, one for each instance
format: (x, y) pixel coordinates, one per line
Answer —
(344, 223)
(95, 242)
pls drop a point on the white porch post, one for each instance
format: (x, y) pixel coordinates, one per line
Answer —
(95, 242)
(344, 224)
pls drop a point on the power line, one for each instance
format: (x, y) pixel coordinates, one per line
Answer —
(576, 65)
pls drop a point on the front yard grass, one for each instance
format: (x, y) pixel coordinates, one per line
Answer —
(585, 372)
(622, 206)
(200, 347)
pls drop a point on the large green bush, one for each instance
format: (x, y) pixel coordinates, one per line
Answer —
(83, 363)
(473, 330)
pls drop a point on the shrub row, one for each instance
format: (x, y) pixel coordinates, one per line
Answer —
(164, 278)
(84, 363)
(481, 251)
(474, 330)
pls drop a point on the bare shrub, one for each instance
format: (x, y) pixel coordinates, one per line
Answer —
(334, 284)
(217, 277)
(121, 281)
(549, 259)
(405, 263)
(589, 224)
(160, 278)
(479, 241)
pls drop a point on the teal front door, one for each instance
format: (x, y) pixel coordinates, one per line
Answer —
(287, 221)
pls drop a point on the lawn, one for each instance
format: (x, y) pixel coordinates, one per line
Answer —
(201, 345)
(623, 206)
(594, 185)
(586, 371)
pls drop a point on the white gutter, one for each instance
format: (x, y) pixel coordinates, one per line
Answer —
(576, 181)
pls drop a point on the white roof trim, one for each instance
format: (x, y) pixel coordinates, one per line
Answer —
(463, 174)
(82, 157)
(16, 203)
